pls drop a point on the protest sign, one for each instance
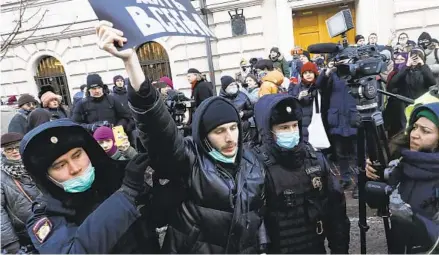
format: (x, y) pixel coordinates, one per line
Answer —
(145, 20)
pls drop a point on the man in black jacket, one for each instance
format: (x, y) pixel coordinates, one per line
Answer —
(99, 108)
(201, 89)
(304, 201)
(223, 182)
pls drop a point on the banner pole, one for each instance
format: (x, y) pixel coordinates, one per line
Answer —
(208, 45)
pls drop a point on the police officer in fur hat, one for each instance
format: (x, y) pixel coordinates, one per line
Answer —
(91, 201)
(304, 201)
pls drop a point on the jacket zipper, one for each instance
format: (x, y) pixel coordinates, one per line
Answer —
(232, 190)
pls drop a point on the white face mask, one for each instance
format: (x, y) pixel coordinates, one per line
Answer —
(232, 89)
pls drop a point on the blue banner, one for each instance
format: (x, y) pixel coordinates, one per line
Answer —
(146, 20)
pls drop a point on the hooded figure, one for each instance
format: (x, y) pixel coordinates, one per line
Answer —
(279, 61)
(416, 183)
(82, 186)
(18, 191)
(37, 117)
(304, 201)
(431, 53)
(271, 83)
(224, 195)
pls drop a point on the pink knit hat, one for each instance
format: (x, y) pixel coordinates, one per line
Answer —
(47, 97)
(168, 81)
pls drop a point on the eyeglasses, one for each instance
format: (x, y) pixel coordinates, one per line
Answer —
(11, 149)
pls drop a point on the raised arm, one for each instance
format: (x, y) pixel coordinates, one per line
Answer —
(157, 130)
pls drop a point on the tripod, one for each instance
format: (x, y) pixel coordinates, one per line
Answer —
(371, 135)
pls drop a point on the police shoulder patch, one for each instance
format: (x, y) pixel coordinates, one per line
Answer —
(313, 169)
(42, 229)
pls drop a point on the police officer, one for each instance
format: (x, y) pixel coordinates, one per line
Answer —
(304, 202)
(90, 203)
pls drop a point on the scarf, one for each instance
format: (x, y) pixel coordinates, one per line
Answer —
(14, 168)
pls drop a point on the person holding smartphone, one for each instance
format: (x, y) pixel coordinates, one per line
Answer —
(411, 81)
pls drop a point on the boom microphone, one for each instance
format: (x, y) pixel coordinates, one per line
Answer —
(324, 48)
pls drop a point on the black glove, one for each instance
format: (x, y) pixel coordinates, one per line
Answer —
(96, 125)
(133, 183)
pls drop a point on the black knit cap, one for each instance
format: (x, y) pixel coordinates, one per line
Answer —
(285, 111)
(26, 98)
(94, 80)
(274, 49)
(193, 70)
(226, 81)
(358, 37)
(10, 138)
(217, 113)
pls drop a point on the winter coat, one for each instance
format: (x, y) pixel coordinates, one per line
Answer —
(18, 123)
(306, 103)
(106, 108)
(271, 82)
(59, 113)
(120, 94)
(290, 172)
(241, 103)
(412, 82)
(220, 212)
(202, 91)
(281, 65)
(16, 206)
(100, 220)
(343, 116)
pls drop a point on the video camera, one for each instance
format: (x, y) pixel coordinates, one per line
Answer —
(178, 104)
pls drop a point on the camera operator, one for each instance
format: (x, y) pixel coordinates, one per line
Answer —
(415, 179)
(342, 117)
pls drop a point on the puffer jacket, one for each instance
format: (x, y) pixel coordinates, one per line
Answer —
(16, 206)
(343, 115)
(220, 213)
(271, 82)
(241, 103)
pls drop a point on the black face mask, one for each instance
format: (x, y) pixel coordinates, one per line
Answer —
(243, 68)
(424, 43)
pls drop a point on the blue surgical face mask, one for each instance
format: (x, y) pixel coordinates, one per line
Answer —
(220, 157)
(287, 140)
(79, 183)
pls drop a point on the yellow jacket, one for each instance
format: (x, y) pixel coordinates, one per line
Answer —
(271, 82)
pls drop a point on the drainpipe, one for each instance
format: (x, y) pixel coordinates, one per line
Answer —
(204, 12)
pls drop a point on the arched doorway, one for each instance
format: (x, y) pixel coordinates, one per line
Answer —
(51, 72)
(154, 60)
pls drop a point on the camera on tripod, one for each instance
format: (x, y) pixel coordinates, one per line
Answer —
(178, 104)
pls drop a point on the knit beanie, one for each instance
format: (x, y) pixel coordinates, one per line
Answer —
(47, 97)
(10, 138)
(168, 81)
(358, 37)
(117, 77)
(226, 81)
(94, 80)
(26, 98)
(105, 133)
(309, 66)
(217, 113)
(429, 115)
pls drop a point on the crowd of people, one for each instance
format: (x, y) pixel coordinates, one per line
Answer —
(253, 173)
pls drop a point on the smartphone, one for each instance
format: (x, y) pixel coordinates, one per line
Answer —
(119, 135)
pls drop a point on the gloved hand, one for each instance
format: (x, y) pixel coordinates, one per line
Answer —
(133, 183)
